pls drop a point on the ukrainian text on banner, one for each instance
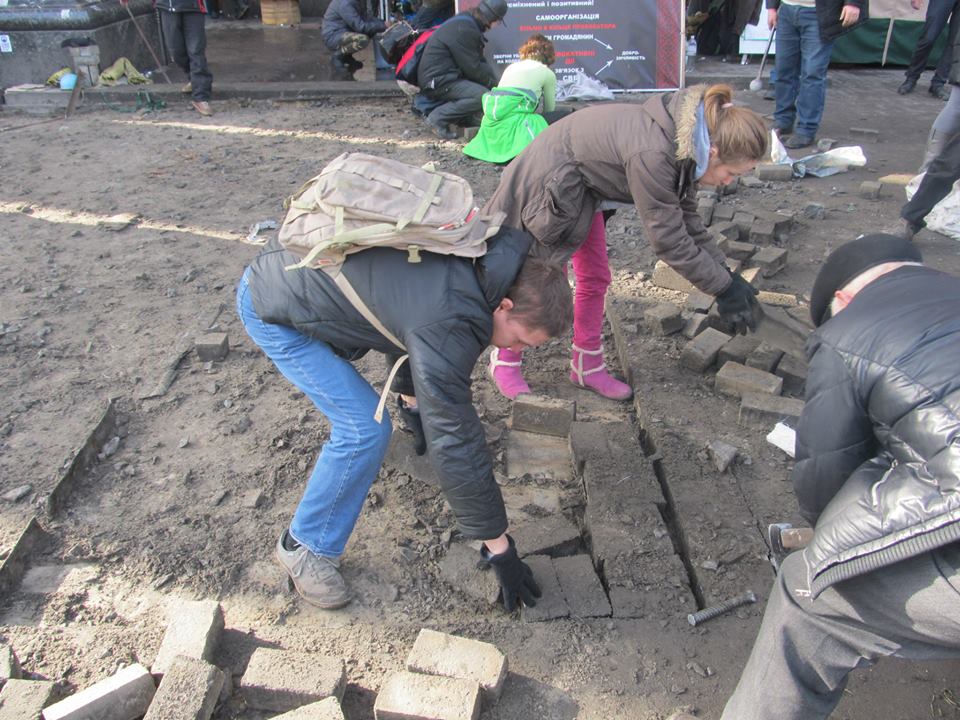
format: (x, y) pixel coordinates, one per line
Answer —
(628, 44)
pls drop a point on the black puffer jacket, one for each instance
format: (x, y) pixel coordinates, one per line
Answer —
(441, 309)
(455, 52)
(828, 16)
(348, 16)
(878, 447)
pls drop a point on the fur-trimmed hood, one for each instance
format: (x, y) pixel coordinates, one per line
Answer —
(684, 113)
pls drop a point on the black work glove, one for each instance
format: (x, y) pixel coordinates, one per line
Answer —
(514, 575)
(738, 305)
(410, 418)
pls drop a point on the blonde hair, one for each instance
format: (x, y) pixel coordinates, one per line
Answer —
(738, 133)
(538, 47)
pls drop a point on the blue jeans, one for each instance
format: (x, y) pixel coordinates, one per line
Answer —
(801, 64)
(350, 459)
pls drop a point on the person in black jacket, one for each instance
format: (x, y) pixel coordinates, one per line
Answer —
(444, 310)
(453, 70)
(878, 476)
(347, 29)
(185, 37)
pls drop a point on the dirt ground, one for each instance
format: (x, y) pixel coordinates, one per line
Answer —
(190, 502)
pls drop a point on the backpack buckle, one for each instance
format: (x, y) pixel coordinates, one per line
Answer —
(413, 253)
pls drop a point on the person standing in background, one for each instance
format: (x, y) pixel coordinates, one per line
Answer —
(939, 12)
(185, 37)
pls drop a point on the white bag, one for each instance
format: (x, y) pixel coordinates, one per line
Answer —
(581, 87)
(945, 216)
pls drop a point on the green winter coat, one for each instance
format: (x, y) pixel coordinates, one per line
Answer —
(510, 123)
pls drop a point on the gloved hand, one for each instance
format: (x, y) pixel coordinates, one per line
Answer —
(410, 417)
(514, 575)
(738, 305)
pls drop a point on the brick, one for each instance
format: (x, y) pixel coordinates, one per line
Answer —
(9, 664)
(723, 213)
(708, 192)
(782, 221)
(718, 322)
(801, 313)
(696, 324)
(20, 699)
(705, 210)
(540, 455)
(193, 631)
(550, 605)
(870, 190)
(770, 260)
(730, 188)
(750, 181)
(402, 457)
(777, 299)
(763, 408)
(581, 587)
(739, 250)
(814, 211)
(701, 352)
(737, 349)
(794, 373)
(743, 220)
(751, 275)
(458, 568)
(328, 709)
(663, 319)
(764, 357)
(734, 265)
(552, 535)
(189, 691)
(123, 696)
(723, 454)
(592, 442)
(736, 379)
(666, 277)
(762, 232)
(212, 346)
(543, 415)
(866, 133)
(726, 229)
(699, 302)
(437, 653)
(409, 696)
(469, 133)
(776, 172)
(281, 680)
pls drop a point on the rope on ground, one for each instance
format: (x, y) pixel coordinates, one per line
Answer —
(145, 102)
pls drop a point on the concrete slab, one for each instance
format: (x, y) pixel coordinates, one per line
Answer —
(553, 535)
(21, 699)
(581, 587)
(551, 604)
(539, 455)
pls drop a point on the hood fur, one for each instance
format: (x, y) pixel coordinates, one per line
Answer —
(685, 117)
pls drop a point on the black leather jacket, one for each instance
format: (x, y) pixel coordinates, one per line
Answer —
(455, 52)
(828, 16)
(441, 309)
(878, 446)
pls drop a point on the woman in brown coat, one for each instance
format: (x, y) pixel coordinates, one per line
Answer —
(652, 154)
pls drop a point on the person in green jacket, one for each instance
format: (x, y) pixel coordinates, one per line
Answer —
(510, 111)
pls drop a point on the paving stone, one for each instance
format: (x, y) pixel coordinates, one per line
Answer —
(700, 353)
(762, 232)
(666, 277)
(581, 587)
(752, 276)
(870, 190)
(705, 208)
(699, 302)
(778, 299)
(814, 211)
(776, 172)
(770, 260)
(728, 230)
(782, 221)
(793, 370)
(696, 324)
(328, 709)
(596, 441)
(734, 265)
(866, 133)
(402, 457)
(458, 568)
(764, 357)
(9, 664)
(730, 188)
(718, 322)
(723, 213)
(739, 250)
(736, 379)
(193, 630)
(802, 315)
(437, 653)
(189, 691)
(552, 535)
(767, 409)
(281, 680)
(543, 415)
(212, 346)
(743, 220)
(737, 349)
(550, 605)
(663, 319)
(125, 695)
(723, 454)
(253, 498)
(22, 699)
(750, 181)
(409, 696)
(542, 455)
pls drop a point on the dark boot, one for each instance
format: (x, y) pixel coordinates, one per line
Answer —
(352, 62)
(339, 61)
(907, 86)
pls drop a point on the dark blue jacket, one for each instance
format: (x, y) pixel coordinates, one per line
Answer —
(348, 16)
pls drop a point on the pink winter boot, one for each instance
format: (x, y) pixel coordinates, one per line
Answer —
(588, 370)
(505, 369)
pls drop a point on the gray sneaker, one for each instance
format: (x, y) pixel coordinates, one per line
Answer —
(317, 579)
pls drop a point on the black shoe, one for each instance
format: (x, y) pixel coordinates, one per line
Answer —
(940, 91)
(352, 62)
(907, 86)
(795, 142)
(442, 131)
(340, 62)
(783, 132)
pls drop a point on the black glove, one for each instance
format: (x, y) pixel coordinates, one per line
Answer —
(738, 305)
(514, 575)
(410, 417)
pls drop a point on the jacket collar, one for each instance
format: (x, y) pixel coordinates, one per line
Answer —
(685, 118)
(498, 268)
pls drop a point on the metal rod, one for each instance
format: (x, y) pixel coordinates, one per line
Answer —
(147, 43)
(711, 612)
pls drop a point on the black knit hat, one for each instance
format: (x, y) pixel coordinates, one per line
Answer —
(848, 261)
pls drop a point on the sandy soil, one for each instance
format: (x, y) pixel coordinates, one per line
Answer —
(191, 500)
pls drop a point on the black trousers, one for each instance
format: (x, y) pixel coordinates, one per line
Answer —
(938, 13)
(186, 40)
(462, 103)
(942, 173)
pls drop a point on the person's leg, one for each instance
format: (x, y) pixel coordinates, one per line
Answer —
(195, 43)
(787, 66)
(592, 272)
(350, 43)
(173, 39)
(942, 173)
(462, 102)
(806, 648)
(812, 91)
(938, 11)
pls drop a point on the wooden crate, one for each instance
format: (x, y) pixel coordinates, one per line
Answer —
(280, 12)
